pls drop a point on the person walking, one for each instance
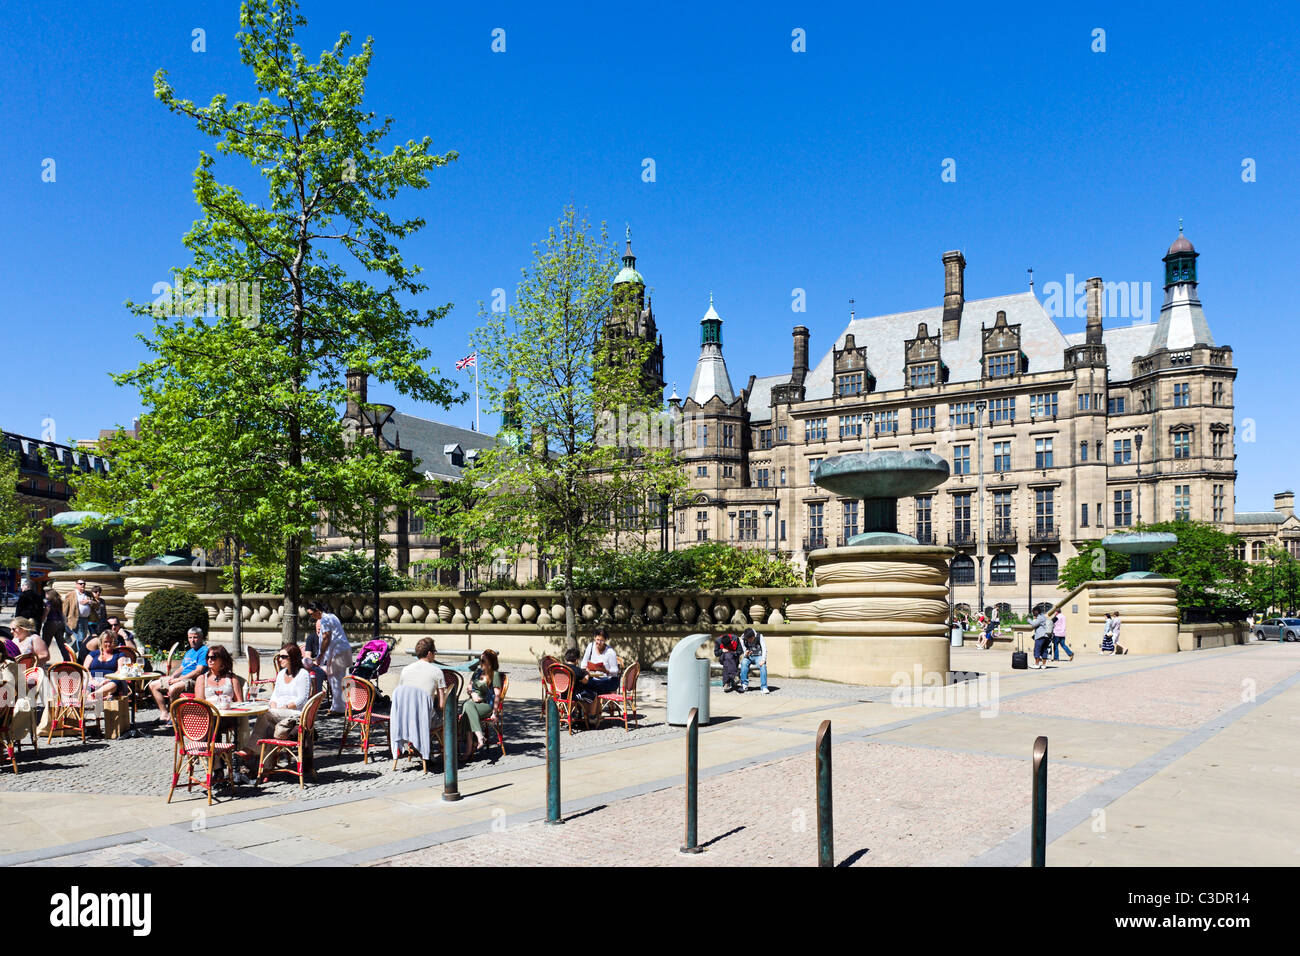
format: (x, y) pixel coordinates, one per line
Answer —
(1058, 636)
(30, 604)
(78, 606)
(1114, 635)
(1108, 636)
(53, 626)
(1042, 637)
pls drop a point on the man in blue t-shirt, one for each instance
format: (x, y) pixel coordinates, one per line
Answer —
(195, 662)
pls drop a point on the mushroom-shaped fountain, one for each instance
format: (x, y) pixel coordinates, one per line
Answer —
(100, 569)
(1139, 546)
(1147, 602)
(881, 606)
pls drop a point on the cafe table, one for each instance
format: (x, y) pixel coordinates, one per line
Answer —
(136, 681)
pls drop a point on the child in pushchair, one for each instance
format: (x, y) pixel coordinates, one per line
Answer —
(373, 660)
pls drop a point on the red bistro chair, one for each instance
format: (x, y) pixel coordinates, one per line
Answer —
(35, 679)
(493, 721)
(68, 684)
(360, 695)
(255, 678)
(559, 685)
(295, 747)
(196, 723)
(544, 665)
(6, 735)
(624, 702)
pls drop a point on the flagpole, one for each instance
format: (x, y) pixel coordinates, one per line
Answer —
(476, 422)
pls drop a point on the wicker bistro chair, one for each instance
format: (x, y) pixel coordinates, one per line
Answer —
(6, 735)
(455, 682)
(624, 702)
(255, 678)
(559, 685)
(543, 666)
(26, 662)
(494, 720)
(196, 724)
(35, 679)
(67, 701)
(295, 746)
(360, 695)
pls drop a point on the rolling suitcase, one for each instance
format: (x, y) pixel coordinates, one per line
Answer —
(1019, 659)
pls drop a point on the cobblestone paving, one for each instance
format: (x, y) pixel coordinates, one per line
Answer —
(894, 806)
(1185, 695)
(142, 766)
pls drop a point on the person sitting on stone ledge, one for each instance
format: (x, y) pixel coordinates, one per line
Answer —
(728, 651)
(753, 653)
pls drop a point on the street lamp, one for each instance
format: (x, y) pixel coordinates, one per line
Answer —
(663, 522)
(376, 418)
(1137, 440)
(980, 406)
(767, 528)
(866, 425)
(732, 516)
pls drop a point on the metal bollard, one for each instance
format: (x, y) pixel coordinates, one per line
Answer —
(450, 749)
(692, 782)
(1039, 851)
(552, 761)
(825, 821)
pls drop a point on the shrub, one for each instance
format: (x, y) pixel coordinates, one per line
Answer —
(712, 566)
(164, 617)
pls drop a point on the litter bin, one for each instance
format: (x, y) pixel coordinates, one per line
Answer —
(958, 635)
(688, 680)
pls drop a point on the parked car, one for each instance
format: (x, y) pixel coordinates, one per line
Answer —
(1278, 629)
(8, 598)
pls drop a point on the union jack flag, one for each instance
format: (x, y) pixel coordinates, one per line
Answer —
(469, 361)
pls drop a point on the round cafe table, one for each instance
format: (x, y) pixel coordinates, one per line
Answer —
(135, 682)
(242, 709)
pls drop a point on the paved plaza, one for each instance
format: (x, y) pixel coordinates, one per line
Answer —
(1184, 760)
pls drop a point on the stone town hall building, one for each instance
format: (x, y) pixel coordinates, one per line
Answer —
(1069, 436)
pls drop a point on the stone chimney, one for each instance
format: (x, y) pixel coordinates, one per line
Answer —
(1094, 310)
(799, 371)
(954, 297)
(1284, 501)
(356, 393)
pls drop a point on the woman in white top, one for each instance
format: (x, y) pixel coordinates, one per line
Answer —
(288, 697)
(601, 664)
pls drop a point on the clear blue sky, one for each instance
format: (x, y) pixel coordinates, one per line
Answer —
(775, 169)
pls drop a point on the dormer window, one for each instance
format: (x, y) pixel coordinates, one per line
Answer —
(927, 373)
(455, 454)
(1003, 365)
(850, 384)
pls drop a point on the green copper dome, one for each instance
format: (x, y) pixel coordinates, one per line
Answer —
(628, 274)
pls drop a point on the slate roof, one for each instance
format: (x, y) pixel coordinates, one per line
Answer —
(428, 441)
(1258, 517)
(760, 396)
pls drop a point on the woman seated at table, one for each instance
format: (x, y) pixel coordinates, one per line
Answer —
(288, 697)
(102, 662)
(218, 685)
(601, 664)
(484, 684)
(29, 641)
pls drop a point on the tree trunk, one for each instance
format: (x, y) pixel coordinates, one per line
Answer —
(570, 623)
(289, 610)
(237, 628)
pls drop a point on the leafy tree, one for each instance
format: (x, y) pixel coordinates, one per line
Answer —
(558, 363)
(242, 435)
(1092, 563)
(1273, 585)
(20, 533)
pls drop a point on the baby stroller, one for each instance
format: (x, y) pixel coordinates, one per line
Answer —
(373, 660)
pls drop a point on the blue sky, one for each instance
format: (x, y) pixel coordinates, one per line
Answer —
(775, 170)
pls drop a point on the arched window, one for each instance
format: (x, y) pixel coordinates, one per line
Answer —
(963, 569)
(1002, 570)
(1257, 551)
(1043, 568)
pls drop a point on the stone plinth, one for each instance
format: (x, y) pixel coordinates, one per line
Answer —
(879, 611)
(139, 580)
(1148, 613)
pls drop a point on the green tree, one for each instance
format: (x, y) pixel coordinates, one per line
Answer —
(1273, 585)
(284, 295)
(559, 362)
(20, 533)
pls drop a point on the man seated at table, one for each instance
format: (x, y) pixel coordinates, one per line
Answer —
(124, 637)
(425, 674)
(195, 663)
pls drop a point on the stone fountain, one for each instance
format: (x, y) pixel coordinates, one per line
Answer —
(100, 569)
(881, 604)
(1147, 602)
